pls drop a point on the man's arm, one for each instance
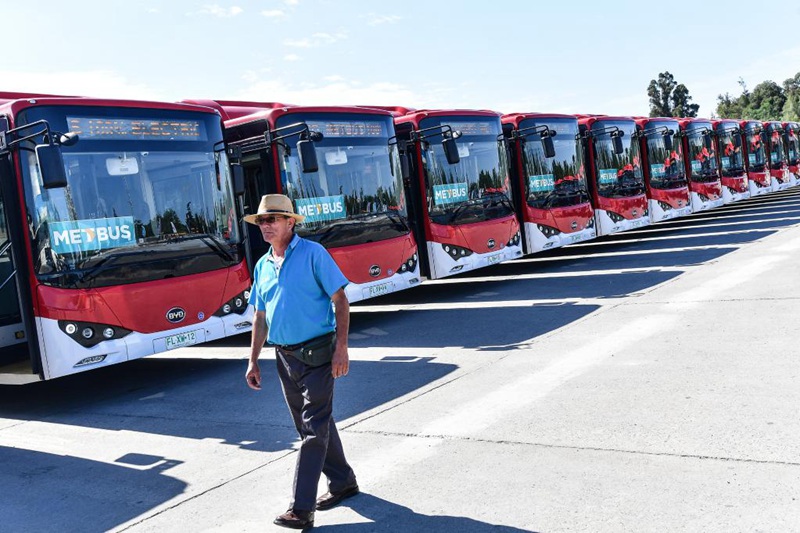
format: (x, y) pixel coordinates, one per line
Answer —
(340, 364)
(257, 340)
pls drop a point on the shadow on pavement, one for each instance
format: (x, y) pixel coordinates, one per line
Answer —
(391, 517)
(41, 494)
(206, 399)
(482, 328)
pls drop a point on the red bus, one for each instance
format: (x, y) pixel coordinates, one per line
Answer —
(346, 181)
(616, 183)
(791, 132)
(730, 160)
(700, 158)
(458, 189)
(779, 173)
(664, 171)
(548, 180)
(119, 234)
(755, 158)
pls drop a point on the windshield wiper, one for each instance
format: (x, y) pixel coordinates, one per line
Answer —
(394, 216)
(208, 240)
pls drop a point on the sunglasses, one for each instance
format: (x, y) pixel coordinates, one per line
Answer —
(269, 219)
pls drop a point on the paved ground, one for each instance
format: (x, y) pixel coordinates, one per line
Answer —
(644, 382)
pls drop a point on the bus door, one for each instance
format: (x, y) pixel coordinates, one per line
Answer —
(258, 182)
(417, 211)
(12, 330)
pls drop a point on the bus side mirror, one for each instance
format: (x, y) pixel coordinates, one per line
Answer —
(405, 167)
(548, 145)
(707, 140)
(237, 172)
(308, 156)
(451, 150)
(51, 166)
(668, 140)
(737, 140)
(616, 141)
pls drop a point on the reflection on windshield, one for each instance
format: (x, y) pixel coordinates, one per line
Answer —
(702, 160)
(618, 175)
(776, 149)
(357, 194)
(731, 156)
(755, 156)
(666, 166)
(473, 190)
(558, 181)
(791, 145)
(131, 207)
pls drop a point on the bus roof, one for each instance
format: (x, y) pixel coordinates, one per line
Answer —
(230, 109)
(272, 114)
(516, 118)
(13, 107)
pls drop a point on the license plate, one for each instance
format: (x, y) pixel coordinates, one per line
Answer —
(377, 290)
(492, 259)
(181, 339)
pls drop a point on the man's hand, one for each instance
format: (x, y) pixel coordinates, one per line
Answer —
(340, 364)
(253, 376)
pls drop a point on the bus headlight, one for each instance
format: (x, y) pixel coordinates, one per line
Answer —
(89, 334)
(237, 304)
(548, 231)
(409, 264)
(514, 241)
(456, 252)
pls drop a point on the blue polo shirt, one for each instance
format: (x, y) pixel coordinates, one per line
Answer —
(297, 297)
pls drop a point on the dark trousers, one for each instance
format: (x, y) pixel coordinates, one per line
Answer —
(309, 394)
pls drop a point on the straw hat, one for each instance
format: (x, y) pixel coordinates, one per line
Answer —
(274, 204)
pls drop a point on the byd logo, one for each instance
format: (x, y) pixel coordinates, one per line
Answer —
(374, 271)
(176, 314)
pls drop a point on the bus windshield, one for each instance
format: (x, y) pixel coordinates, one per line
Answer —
(791, 144)
(666, 166)
(775, 146)
(357, 195)
(731, 155)
(755, 147)
(618, 175)
(703, 160)
(148, 194)
(558, 181)
(476, 188)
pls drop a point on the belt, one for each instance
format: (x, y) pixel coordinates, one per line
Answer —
(295, 347)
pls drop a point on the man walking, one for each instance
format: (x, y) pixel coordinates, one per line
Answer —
(301, 308)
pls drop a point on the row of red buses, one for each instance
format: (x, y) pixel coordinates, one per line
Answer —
(121, 226)
(119, 233)
(341, 168)
(388, 191)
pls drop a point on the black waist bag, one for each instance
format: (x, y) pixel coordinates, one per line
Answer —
(316, 352)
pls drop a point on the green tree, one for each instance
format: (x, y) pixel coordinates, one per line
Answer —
(791, 109)
(669, 98)
(766, 102)
(733, 106)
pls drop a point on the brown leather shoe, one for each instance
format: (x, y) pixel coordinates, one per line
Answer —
(295, 519)
(332, 499)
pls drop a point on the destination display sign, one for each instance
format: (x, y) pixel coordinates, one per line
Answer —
(348, 128)
(137, 129)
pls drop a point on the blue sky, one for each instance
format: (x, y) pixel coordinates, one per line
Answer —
(571, 56)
